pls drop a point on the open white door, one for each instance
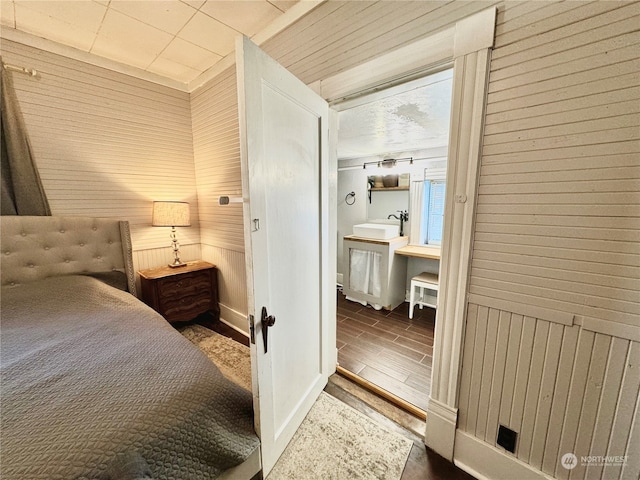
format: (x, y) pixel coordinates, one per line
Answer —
(284, 147)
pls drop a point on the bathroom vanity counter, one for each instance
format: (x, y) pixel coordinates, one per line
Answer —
(432, 253)
(389, 241)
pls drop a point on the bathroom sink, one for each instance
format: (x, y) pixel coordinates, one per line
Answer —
(377, 231)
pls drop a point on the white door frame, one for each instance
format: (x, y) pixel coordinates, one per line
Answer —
(467, 45)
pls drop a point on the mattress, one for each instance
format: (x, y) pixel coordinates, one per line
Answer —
(96, 385)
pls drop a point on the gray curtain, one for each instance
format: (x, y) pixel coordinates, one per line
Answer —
(22, 191)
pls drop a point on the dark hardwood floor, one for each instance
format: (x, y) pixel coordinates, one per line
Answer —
(387, 349)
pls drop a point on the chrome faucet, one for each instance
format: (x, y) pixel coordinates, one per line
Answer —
(404, 217)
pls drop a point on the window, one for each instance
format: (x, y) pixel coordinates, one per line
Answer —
(433, 211)
(427, 196)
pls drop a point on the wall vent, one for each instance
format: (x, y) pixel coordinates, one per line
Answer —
(507, 439)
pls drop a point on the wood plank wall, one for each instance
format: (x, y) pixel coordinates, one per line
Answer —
(558, 205)
(217, 160)
(562, 388)
(107, 144)
(216, 145)
(339, 35)
(552, 344)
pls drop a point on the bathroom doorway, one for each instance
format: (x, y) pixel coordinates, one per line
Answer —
(392, 157)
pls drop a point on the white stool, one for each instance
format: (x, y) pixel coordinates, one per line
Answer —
(425, 282)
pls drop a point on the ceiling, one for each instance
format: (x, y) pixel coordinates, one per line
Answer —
(176, 39)
(409, 117)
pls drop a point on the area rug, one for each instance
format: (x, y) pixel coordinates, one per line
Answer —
(337, 442)
(334, 442)
(232, 358)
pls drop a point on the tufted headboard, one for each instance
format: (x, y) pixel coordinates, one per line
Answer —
(33, 248)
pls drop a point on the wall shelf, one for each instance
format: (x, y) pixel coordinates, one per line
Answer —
(387, 189)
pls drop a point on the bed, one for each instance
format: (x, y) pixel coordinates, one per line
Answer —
(95, 384)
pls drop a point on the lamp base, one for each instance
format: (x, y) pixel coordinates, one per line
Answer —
(176, 249)
(176, 265)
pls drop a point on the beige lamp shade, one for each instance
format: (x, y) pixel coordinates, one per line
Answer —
(171, 214)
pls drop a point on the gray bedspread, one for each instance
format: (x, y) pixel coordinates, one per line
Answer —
(91, 376)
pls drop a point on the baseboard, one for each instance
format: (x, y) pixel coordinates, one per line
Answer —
(440, 433)
(485, 461)
(339, 278)
(234, 319)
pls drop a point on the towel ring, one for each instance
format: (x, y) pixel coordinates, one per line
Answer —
(351, 195)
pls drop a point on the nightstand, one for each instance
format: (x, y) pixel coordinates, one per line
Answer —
(181, 294)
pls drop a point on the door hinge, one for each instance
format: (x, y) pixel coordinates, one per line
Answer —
(252, 329)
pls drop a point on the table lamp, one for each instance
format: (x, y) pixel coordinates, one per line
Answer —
(172, 214)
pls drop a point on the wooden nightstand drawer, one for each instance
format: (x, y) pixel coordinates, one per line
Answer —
(185, 306)
(181, 294)
(185, 284)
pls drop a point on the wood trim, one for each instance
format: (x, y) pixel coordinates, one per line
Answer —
(328, 298)
(541, 313)
(234, 319)
(613, 329)
(390, 66)
(484, 461)
(469, 100)
(440, 429)
(468, 35)
(403, 404)
(470, 83)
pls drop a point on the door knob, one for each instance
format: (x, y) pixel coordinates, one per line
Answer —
(267, 321)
